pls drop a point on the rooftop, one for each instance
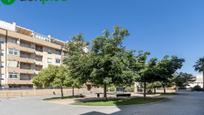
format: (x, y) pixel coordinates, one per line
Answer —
(22, 30)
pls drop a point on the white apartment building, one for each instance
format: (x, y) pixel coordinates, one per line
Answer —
(23, 53)
(198, 81)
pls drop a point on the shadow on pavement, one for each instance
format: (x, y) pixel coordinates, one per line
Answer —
(94, 113)
(189, 103)
(123, 109)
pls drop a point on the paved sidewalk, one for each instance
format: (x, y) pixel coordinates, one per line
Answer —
(191, 103)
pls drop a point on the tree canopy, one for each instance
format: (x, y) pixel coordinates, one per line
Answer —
(76, 58)
(167, 67)
(55, 77)
(183, 79)
(199, 66)
(106, 61)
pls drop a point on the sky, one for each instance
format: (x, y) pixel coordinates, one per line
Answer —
(162, 27)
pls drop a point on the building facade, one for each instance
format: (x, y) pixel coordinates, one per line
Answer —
(198, 81)
(23, 53)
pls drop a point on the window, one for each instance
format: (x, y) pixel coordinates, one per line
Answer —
(1, 42)
(1, 75)
(1, 52)
(58, 52)
(39, 48)
(25, 77)
(38, 58)
(49, 51)
(11, 40)
(49, 60)
(57, 60)
(13, 51)
(13, 75)
(38, 67)
(25, 66)
(10, 51)
(26, 44)
(1, 64)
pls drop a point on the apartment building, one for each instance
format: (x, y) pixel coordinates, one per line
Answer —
(23, 53)
(198, 81)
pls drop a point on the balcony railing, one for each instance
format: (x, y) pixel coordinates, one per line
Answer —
(21, 70)
(27, 71)
(14, 81)
(27, 60)
(26, 49)
(41, 36)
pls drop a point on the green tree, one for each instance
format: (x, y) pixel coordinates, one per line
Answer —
(199, 66)
(61, 79)
(76, 59)
(167, 67)
(45, 77)
(149, 73)
(154, 85)
(54, 76)
(183, 79)
(110, 61)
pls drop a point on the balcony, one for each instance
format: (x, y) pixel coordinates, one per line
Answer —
(27, 49)
(42, 36)
(17, 81)
(24, 31)
(27, 60)
(26, 77)
(21, 59)
(35, 39)
(13, 58)
(38, 63)
(21, 47)
(20, 70)
(13, 45)
(39, 53)
(27, 71)
(13, 69)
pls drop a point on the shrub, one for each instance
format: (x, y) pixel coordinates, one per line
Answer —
(111, 88)
(130, 88)
(197, 88)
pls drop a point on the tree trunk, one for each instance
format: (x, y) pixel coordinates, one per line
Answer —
(73, 91)
(43, 86)
(144, 89)
(164, 88)
(105, 89)
(155, 90)
(203, 79)
(177, 88)
(62, 94)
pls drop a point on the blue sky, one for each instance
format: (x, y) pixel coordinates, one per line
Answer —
(173, 27)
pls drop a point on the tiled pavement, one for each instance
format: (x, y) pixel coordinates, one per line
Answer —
(189, 103)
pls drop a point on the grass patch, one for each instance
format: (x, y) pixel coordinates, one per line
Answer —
(65, 97)
(117, 101)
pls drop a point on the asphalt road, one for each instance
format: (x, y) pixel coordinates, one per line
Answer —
(190, 103)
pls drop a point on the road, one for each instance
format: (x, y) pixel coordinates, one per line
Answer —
(188, 103)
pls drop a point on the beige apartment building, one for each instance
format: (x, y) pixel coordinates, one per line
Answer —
(23, 53)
